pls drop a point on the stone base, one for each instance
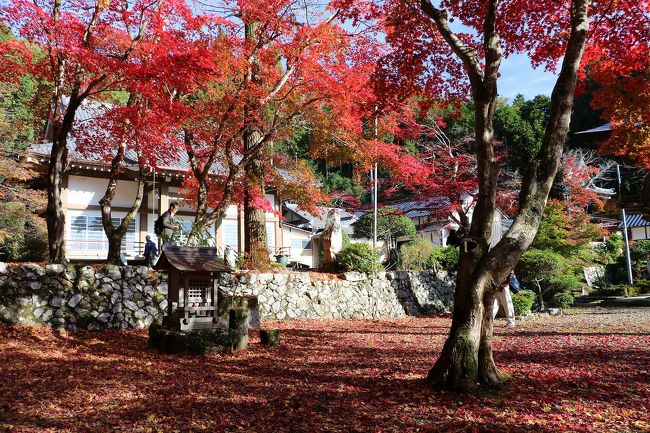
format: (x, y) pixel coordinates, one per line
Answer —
(173, 341)
(270, 337)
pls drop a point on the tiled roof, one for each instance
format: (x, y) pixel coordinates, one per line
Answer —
(418, 208)
(602, 128)
(91, 110)
(314, 222)
(635, 220)
(434, 227)
(191, 259)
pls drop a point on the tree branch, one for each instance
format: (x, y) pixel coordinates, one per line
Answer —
(465, 53)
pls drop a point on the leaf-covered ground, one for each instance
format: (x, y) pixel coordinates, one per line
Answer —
(588, 372)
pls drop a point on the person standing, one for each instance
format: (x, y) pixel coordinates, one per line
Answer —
(504, 298)
(150, 251)
(166, 224)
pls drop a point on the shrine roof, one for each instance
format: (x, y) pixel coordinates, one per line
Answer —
(191, 259)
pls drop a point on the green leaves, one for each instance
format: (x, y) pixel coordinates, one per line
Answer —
(521, 126)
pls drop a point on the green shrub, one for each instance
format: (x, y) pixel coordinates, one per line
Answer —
(625, 290)
(445, 257)
(643, 285)
(416, 255)
(565, 282)
(359, 257)
(616, 272)
(620, 290)
(346, 239)
(523, 302)
(562, 300)
(23, 235)
(640, 254)
(612, 248)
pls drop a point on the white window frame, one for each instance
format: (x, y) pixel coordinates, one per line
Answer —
(130, 247)
(224, 240)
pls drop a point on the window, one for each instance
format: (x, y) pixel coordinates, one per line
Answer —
(270, 235)
(229, 234)
(198, 291)
(86, 235)
(186, 223)
(298, 246)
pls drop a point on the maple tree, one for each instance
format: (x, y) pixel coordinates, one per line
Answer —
(87, 45)
(619, 65)
(430, 54)
(278, 67)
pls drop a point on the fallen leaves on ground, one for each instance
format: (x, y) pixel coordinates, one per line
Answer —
(586, 372)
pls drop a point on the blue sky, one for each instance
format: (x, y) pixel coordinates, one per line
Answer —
(517, 76)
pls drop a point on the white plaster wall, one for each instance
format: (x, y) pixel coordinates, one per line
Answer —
(305, 256)
(640, 233)
(87, 191)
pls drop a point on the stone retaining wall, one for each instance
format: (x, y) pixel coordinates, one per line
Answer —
(81, 296)
(130, 297)
(349, 295)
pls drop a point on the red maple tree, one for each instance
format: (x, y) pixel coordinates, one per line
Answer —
(429, 53)
(89, 47)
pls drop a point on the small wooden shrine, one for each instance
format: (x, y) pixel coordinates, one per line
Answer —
(193, 286)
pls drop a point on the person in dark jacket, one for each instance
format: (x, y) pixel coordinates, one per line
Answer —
(150, 251)
(169, 223)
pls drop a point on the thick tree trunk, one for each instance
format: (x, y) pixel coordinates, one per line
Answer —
(255, 239)
(488, 373)
(466, 359)
(55, 217)
(115, 235)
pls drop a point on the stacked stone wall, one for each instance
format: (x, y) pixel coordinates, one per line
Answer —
(349, 295)
(81, 296)
(116, 297)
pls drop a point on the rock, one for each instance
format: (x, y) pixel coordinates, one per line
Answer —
(87, 273)
(76, 298)
(355, 276)
(46, 315)
(103, 317)
(35, 286)
(140, 314)
(555, 311)
(54, 269)
(131, 305)
(114, 272)
(3, 268)
(163, 305)
(56, 301)
(143, 271)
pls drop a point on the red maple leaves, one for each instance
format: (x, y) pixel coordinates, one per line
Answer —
(578, 373)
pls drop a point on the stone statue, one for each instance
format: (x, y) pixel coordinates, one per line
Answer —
(332, 236)
(229, 257)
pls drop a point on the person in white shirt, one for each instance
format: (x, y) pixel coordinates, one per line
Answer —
(504, 298)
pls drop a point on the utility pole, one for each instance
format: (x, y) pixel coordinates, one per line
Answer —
(373, 177)
(628, 261)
